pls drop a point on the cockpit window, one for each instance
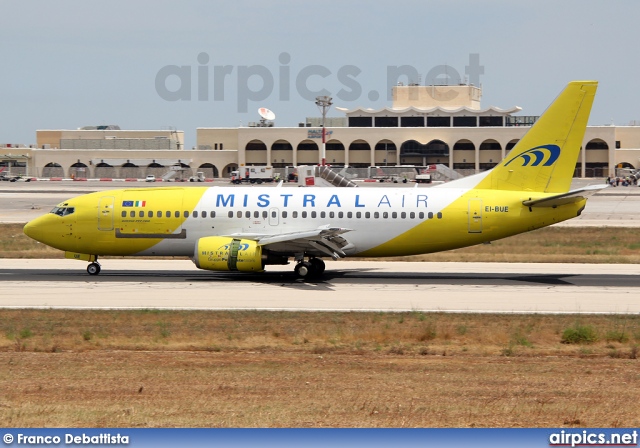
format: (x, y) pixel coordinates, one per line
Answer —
(63, 211)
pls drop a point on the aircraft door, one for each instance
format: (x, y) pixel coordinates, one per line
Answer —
(475, 215)
(274, 216)
(105, 213)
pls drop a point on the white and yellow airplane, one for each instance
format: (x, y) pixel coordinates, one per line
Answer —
(246, 228)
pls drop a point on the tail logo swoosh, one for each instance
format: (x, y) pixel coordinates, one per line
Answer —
(535, 156)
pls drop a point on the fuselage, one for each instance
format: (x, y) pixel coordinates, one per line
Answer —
(380, 221)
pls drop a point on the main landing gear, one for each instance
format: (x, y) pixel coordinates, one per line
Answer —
(93, 268)
(312, 268)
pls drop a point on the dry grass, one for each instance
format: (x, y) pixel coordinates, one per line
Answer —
(548, 245)
(271, 369)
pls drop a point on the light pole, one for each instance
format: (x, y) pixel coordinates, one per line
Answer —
(324, 103)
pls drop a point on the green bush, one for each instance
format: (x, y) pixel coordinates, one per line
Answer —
(579, 334)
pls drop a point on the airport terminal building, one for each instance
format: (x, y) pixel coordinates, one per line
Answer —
(425, 125)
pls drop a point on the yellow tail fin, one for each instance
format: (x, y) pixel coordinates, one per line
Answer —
(544, 160)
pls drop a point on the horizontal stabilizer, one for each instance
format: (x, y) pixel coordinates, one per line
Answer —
(564, 198)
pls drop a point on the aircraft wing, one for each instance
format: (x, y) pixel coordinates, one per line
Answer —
(323, 241)
(564, 198)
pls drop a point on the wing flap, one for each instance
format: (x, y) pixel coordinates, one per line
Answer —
(326, 240)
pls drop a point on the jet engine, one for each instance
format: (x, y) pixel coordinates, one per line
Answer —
(219, 253)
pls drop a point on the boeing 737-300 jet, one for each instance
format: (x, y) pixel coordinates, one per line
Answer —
(247, 228)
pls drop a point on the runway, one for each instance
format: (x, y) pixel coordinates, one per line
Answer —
(346, 286)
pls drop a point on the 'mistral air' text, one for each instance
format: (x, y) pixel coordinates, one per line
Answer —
(311, 201)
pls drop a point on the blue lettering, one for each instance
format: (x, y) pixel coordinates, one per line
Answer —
(384, 200)
(246, 198)
(311, 198)
(358, 204)
(286, 198)
(402, 201)
(421, 198)
(225, 202)
(263, 200)
(334, 201)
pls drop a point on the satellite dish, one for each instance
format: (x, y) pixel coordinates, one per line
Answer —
(266, 114)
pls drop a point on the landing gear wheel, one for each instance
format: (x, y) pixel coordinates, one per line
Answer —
(93, 268)
(303, 269)
(317, 266)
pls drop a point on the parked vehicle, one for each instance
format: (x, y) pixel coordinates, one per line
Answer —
(252, 175)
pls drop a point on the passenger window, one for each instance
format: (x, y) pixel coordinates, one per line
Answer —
(294, 214)
(213, 214)
(265, 215)
(167, 214)
(341, 214)
(412, 215)
(124, 214)
(132, 214)
(186, 214)
(403, 215)
(195, 213)
(358, 215)
(247, 214)
(367, 215)
(284, 214)
(274, 214)
(304, 214)
(349, 215)
(421, 215)
(230, 214)
(204, 214)
(430, 215)
(256, 214)
(149, 214)
(439, 215)
(332, 214)
(394, 215)
(324, 214)
(314, 214)
(177, 214)
(159, 214)
(239, 214)
(385, 215)
(141, 214)
(376, 215)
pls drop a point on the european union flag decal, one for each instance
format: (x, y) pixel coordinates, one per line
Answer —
(134, 203)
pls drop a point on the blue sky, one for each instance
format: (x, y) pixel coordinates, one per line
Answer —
(74, 63)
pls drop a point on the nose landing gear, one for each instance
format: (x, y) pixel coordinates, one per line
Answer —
(93, 268)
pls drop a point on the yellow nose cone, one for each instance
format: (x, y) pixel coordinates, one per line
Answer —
(42, 229)
(31, 229)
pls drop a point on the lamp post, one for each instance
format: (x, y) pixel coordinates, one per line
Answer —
(324, 103)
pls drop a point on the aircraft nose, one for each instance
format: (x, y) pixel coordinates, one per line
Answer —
(43, 230)
(34, 229)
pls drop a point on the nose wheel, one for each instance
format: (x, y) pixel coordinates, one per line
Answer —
(93, 268)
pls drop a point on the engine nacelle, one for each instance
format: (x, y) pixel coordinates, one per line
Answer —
(219, 253)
